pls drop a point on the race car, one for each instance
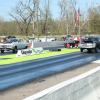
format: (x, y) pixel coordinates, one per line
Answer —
(90, 43)
(14, 45)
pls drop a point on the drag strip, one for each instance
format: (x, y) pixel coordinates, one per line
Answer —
(19, 73)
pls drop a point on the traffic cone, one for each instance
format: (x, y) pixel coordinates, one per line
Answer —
(30, 45)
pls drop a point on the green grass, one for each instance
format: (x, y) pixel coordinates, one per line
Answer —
(9, 59)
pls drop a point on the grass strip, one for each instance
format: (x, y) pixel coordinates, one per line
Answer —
(9, 59)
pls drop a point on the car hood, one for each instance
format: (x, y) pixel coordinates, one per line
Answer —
(89, 42)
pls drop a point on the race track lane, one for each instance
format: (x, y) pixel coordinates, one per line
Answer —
(20, 73)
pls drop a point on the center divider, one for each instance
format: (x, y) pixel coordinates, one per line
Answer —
(9, 59)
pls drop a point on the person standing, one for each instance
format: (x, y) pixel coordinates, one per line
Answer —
(4, 40)
(28, 39)
(55, 38)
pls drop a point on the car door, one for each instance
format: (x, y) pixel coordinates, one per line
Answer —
(20, 44)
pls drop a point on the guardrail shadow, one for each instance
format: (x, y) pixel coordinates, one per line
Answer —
(5, 58)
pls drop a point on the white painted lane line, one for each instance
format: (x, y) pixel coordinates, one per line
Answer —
(97, 61)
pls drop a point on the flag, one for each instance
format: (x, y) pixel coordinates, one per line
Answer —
(78, 15)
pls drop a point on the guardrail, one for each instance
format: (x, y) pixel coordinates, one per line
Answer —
(83, 87)
(53, 43)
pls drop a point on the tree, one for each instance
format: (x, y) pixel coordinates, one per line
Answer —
(94, 17)
(67, 15)
(23, 15)
(45, 14)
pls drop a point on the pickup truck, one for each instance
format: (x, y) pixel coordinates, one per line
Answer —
(46, 39)
(90, 43)
(14, 45)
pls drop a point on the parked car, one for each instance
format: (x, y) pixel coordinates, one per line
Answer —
(31, 39)
(83, 36)
(69, 37)
(47, 38)
(65, 38)
(90, 43)
(14, 45)
(9, 37)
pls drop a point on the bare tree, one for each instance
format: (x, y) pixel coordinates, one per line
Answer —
(31, 7)
(23, 14)
(45, 15)
(68, 14)
(63, 5)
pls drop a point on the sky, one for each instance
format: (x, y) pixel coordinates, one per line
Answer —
(7, 5)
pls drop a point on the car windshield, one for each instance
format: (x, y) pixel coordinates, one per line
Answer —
(11, 40)
(91, 39)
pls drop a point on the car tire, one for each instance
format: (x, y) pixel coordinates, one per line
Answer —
(65, 45)
(81, 50)
(26, 47)
(89, 50)
(15, 50)
(96, 49)
(2, 51)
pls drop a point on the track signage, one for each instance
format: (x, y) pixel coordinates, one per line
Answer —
(27, 52)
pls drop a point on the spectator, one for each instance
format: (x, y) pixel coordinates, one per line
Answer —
(4, 40)
(62, 38)
(55, 38)
(76, 44)
(28, 39)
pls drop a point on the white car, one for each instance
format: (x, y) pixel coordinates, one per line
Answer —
(14, 45)
(46, 39)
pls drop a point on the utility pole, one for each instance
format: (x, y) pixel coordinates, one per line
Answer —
(67, 24)
(79, 20)
(37, 20)
(88, 23)
(34, 4)
(79, 26)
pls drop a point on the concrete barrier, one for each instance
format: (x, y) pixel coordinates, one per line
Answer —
(83, 87)
(53, 43)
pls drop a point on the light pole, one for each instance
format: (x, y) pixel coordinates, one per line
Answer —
(37, 20)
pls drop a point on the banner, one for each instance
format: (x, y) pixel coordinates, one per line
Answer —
(28, 52)
(78, 15)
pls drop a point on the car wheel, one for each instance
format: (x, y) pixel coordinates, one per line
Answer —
(2, 51)
(89, 50)
(15, 50)
(81, 50)
(96, 49)
(65, 45)
(26, 47)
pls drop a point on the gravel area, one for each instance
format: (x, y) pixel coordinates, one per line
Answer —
(28, 89)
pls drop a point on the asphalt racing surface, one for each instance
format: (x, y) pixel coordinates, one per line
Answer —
(19, 73)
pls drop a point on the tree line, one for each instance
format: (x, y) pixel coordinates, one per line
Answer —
(24, 20)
